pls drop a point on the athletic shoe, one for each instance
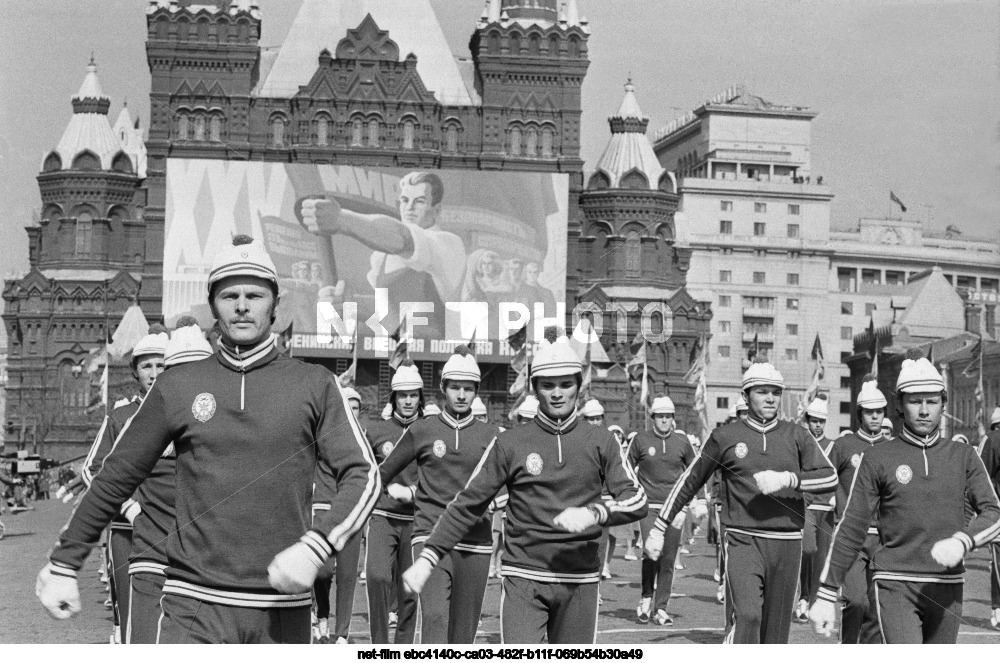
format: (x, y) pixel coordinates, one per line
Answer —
(679, 566)
(493, 572)
(393, 619)
(323, 630)
(606, 573)
(720, 595)
(716, 577)
(107, 603)
(629, 555)
(663, 619)
(342, 641)
(642, 610)
(3, 528)
(685, 551)
(801, 615)
(314, 619)
(995, 619)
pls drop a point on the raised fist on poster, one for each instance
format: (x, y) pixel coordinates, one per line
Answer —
(321, 216)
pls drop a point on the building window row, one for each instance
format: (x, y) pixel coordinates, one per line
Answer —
(362, 132)
(530, 140)
(200, 126)
(759, 229)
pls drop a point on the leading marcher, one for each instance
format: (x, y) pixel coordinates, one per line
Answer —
(918, 485)
(249, 428)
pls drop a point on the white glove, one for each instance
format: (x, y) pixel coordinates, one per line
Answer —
(948, 552)
(679, 519)
(321, 216)
(823, 615)
(132, 511)
(770, 481)
(576, 519)
(60, 492)
(67, 498)
(58, 592)
(415, 577)
(699, 509)
(294, 569)
(654, 544)
(400, 492)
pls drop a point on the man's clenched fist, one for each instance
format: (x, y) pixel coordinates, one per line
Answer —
(58, 592)
(823, 615)
(654, 544)
(294, 569)
(948, 552)
(416, 576)
(770, 481)
(321, 216)
(575, 519)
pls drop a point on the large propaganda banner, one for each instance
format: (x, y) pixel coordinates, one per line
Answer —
(379, 241)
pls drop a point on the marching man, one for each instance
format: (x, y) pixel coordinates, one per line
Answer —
(766, 466)
(818, 529)
(660, 458)
(249, 427)
(554, 470)
(918, 485)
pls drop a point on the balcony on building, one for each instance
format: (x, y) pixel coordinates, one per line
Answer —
(761, 336)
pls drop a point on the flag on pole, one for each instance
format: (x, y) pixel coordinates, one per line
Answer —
(348, 377)
(980, 393)
(402, 349)
(819, 370)
(894, 198)
(696, 376)
(873, 346)
(129, 332)
(101, 398)
(519, 363)
(584, 393)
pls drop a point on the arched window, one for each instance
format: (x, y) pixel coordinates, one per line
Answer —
(451, 139)
(408, 135)
(199, 127)
(357, 129)
(531, 146)
(52, 162)
(633, 254)
(74, 388)
(84, 233)
(547, 140)
(553, 46)
(373, 132)
(86, 160)
(183, 127)
(278, 132)
(515, 141)
(215, 128)
(322, 131)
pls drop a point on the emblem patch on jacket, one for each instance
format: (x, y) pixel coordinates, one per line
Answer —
(439, 448)
(386, 448)
(203, 407)
(534, 464)
(652, 451)
(904, 474)
(856, 460)
(741, 450)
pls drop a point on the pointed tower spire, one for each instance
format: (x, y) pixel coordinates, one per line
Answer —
(629, 149)
(90, 98)
(89, 129)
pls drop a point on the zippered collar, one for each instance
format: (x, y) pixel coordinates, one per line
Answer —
(407, 421)
(452, 422)
(247, 360)
(869, 438)
(557, 427)
(923, 441)
(761, 427)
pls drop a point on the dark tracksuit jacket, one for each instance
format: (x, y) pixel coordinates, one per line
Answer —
(249, 429)
(990, 455)
(113, 424)
(762, 532)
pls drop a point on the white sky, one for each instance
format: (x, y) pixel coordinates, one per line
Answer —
(907, 92)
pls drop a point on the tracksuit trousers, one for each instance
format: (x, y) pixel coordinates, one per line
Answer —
(761, 578)
(144, 607)
(452, 599)
(533, 613)
(817, 536)
(119, 549)
(186, 620)
(346, 562)
(994, 576)
(389, 554)
(919, 612)
(859, 620)
(658, 576)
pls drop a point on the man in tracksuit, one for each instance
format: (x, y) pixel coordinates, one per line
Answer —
(447, 448)
(918, 484)
(554, 470)
(147, 363)
(344, 564)
(766, 466)
(156, 497)
(659, 458)
(991, 459)
(859, 621)
(249, 427)
(818, 528)
(390, 529)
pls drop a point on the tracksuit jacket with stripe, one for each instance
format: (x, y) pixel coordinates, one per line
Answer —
(249, 428)
(156, 524)
(845, 458)
(103, 445)
(918, 487)
(742, 449)
(659, 462)
(816, 502)
(447, 451)
(384, 436)
(546, 467)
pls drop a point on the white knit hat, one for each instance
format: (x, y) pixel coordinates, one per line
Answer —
(592, 408)
(186, 344)
(387, 411)
(555, 359)
(762, 374)
(478, 407)
(246, 257)
(151, 344)
(918, 375)
(995, 417)
(741, 405)
(871, 398)
(431, 409)
(407, 377)
(351, 394)
(731, 414)
(887, 424)
(460, 366)
(818, 409)
(529, 407)
(662, 405)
